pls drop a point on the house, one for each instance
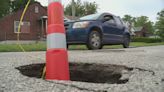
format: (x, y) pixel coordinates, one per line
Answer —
(33, 26)
(141, 31)
(138, 31)
(130, 28)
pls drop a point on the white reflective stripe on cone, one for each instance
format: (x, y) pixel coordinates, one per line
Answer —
(56, 40)
(50, 1)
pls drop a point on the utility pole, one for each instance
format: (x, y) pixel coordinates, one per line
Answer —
(73, 9)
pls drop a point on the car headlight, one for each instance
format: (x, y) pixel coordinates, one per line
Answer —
(80, 24)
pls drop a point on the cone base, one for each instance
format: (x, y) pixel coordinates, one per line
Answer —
(57, 66)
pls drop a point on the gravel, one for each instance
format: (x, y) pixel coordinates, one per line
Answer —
(147, 76)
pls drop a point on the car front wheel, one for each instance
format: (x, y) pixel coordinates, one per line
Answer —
(126, 41)
(94, 41)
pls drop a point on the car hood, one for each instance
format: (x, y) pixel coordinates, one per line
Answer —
(73, 21)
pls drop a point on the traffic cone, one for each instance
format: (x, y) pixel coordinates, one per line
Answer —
(57, 66)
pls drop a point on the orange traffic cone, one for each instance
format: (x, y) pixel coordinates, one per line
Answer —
(57, 67)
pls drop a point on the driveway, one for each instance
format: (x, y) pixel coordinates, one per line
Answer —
(147, 74)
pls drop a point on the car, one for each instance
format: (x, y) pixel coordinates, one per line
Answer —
(97, 30)
(66, 19)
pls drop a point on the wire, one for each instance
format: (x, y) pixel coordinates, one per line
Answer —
(19, 31)
(19, 26)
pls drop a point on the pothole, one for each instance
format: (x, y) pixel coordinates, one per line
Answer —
(84, 72)
(162, 80)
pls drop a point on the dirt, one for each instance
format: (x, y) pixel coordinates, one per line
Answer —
(84, 72)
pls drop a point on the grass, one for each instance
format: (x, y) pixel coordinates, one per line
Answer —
(42, 46)
(27, 47)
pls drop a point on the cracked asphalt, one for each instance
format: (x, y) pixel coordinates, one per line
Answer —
(147, 76)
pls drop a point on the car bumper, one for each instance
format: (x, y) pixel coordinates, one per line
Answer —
(76, 36)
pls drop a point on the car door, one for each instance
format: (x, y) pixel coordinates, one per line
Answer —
(109, 29)
(120, 29)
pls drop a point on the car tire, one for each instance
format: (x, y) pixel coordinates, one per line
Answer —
(67, 46)
(126, 41)
(94, 40)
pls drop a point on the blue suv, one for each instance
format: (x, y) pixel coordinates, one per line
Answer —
(97, 30)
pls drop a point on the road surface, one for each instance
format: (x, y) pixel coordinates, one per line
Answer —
(147, 75)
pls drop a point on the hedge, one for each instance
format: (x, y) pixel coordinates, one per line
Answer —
(146, 40)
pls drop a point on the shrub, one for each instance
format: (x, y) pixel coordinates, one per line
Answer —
(146, 40)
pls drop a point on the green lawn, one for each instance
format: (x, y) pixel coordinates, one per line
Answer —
(42, 46)
(27, 47)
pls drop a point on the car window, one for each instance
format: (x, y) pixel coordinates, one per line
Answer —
(111, 19)
(91, 17)
(118, 21)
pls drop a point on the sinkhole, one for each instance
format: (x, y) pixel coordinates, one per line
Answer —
(84, 72)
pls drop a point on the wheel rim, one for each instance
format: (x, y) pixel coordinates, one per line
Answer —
(95, 40)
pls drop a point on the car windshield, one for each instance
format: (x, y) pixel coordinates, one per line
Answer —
(91, 17)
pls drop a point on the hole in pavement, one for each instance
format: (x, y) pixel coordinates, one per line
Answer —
(162, 80)
(84, 72)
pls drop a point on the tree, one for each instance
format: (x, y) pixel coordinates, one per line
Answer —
(129, 18)
(78, 7)
(4, 7)
(17, 4)
(144, 21)
(141, 21)
(8, 6)
(150, 27)
(90, 8)
(160, 24)
(82, 9)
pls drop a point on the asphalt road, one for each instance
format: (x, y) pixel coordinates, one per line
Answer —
(147, 75)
